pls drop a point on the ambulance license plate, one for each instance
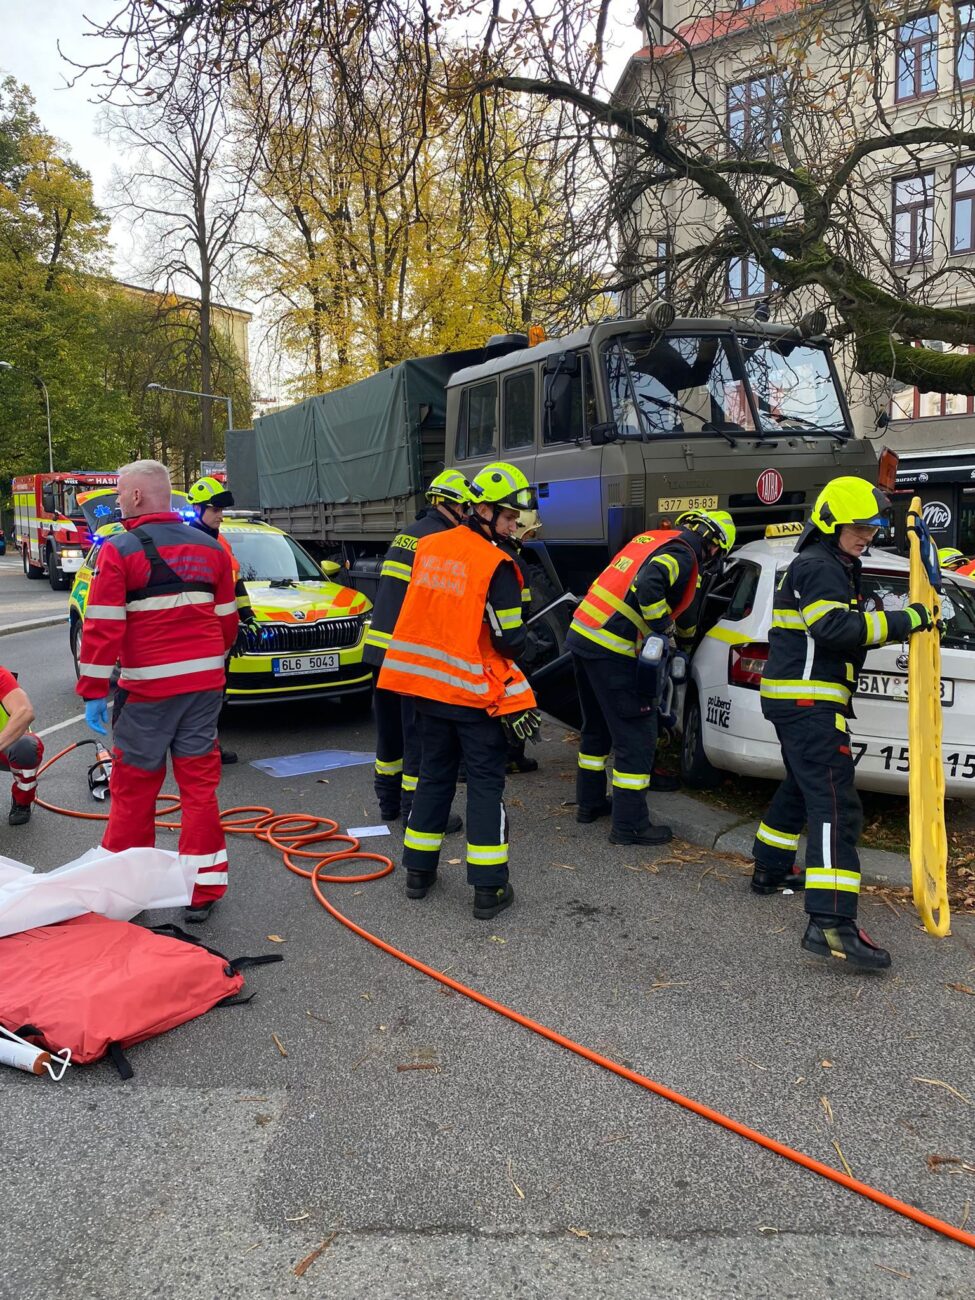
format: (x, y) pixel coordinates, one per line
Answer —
(305, 664)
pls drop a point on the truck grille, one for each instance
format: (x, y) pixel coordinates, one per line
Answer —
(751, 516)
(289, 638)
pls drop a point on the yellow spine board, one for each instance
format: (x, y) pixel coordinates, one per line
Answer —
(929, 844)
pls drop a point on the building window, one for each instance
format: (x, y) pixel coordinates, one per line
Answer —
(745, 278)
(916, 58)
(911, 404)
(913, 226)
(753, 117)
(963, 209)
(661, 276)
(965, 43)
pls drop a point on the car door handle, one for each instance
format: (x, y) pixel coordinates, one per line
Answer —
(543, 489)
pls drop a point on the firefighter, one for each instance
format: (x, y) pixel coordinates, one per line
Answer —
(397, 737)
(454, 649)
(20, 750)
(210, 498)
(949, 557)
(161, 604)
(538, 593)
(818, 641)
(649, 584)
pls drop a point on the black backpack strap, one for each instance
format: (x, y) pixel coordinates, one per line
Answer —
(245, 963)
(120, 1061)
(163, 580)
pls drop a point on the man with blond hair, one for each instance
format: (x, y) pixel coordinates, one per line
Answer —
(162, 606)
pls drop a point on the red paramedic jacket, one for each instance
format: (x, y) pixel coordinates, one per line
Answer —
(172, 639)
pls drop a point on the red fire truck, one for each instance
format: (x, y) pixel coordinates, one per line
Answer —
(52, 534)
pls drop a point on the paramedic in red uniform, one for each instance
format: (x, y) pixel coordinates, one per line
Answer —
(161, 604)
(20, 751)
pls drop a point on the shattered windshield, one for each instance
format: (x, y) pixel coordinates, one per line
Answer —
(793, 387)
(675, 385)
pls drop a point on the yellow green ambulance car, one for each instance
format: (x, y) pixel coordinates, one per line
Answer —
(308, 644)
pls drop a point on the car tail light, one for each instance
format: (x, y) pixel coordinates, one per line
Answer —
(746, 663)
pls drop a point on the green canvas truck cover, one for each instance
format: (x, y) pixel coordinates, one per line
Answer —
(358, 443)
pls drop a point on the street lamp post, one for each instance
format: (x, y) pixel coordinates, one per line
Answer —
(188, 392)
(9, 365)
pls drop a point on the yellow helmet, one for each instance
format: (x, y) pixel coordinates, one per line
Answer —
(849, 500)
(503, 485)
(449, 485)
(949, 557)
(715, 526)
(210, 492)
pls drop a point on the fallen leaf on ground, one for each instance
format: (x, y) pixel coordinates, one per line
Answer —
(849, 1171)
(563, 866)
(896, 1271)
(275, 938)
(961, 988)
(279, 1045)
(579, 1232)
(297, 1218)
(302, 1267)
(314, 1017)
(961, 1166)
(827, 1065)
(824, 1102)
(511, 1179)
(453, 862)
(762, 1227)
(496, 938)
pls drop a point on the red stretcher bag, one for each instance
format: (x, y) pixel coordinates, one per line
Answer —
(100, 986)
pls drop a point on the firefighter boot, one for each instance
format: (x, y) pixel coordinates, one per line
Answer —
(489, 902)
(769, 880)
(587, 815)
(19, 814)
(841, 937)
(419, 883)
(197, 913)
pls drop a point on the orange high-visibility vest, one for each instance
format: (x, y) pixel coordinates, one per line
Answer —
(441, 646)
(607, 595)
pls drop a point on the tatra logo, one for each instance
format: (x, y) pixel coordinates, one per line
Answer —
(937, 516)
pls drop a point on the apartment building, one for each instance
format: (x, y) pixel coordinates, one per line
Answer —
(721, 73)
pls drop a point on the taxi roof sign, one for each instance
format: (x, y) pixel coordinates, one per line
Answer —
(784, 530)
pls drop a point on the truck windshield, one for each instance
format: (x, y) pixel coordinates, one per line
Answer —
(793, 387)
(271, 557)
(676, 385)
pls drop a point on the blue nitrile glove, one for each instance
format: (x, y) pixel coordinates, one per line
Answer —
(96, 715)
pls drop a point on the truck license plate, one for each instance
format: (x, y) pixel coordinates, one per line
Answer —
(671, 504)
(892, 686)
(305, 664)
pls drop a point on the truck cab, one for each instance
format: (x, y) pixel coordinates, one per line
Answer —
(624, 424)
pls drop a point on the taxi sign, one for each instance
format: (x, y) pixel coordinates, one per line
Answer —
(784, 530)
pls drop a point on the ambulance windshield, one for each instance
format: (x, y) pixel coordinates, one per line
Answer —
(271, 557)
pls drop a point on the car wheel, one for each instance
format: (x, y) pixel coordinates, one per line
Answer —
(695, 769)
(31, 570)
(75, 636)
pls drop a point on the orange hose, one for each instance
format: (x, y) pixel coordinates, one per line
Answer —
(292, 833)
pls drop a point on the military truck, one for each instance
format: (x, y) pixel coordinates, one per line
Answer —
(622, 425)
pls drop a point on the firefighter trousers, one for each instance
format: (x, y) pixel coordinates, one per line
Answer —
(817, 791)
(397, 752)
(21, 760)
(142, 733)
(480, 740)
(614, 717)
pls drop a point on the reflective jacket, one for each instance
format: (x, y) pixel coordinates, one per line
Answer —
(445, 644)
(171, 638)
(647, 585)
(820, 634)
(394, 577)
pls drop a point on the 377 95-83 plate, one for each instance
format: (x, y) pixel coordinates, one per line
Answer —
(671, 504)
(294, 664)
(891, 686)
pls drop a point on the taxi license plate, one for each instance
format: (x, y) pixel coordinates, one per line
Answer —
(892, 686)
(305, 664)
(687, 503)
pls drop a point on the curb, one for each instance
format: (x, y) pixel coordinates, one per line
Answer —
(31, 624)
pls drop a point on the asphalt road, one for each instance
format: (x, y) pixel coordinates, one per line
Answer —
(513, 1168)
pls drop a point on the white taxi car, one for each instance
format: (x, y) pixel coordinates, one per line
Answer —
(721, 718)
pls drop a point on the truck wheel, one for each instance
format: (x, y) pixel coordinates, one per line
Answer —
(55, 575)
(695, 769)
(31, 570)
(75, 638)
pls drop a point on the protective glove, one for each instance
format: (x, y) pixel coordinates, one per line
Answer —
(523, 726)
(96, 715)
(248, 616)
(920, 616)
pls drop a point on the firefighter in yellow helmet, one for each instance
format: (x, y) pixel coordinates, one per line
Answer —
(209, 498)
(949, 557)
(819, 638)
(454, 649)
(397, 737)
(631, 606)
